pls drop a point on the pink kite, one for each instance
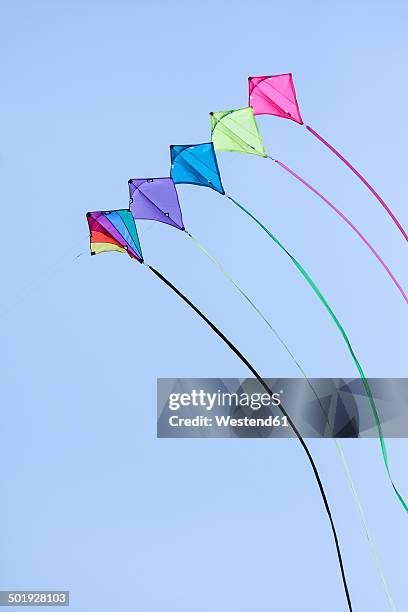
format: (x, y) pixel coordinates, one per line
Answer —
(276, 95)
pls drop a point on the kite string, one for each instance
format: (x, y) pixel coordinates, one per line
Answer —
(347, 220)
(321, 297)
(361, 177)
(293, 426)
(46, 274)
(363, 519)
(344, 463)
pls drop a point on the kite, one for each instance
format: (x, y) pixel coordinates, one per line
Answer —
(155, 199)
(116, 236)
(195, 153)
(276, 95)
(196, 165)
(114, 230)
(231, 131)
(236, 131)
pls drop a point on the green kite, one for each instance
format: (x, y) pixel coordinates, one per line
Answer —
(236, 131)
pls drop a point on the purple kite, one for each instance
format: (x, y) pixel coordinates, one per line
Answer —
(155, 199)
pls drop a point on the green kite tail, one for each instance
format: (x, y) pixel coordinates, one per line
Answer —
(344, 463)
(345, 338)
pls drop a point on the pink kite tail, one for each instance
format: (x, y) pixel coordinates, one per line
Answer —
(362, 179)
(347, 220)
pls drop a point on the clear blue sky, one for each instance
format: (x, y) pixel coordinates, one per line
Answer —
(93, 93)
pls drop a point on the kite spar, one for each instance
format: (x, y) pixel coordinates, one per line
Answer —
(116, 231)
(237, 131)
(276, 95)
(197, 164)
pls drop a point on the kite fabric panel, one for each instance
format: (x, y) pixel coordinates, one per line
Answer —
(114, 230)
(155, 199)
(196, 165)
(274, 95)
(236, 131)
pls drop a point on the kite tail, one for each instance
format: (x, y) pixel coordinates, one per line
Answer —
(345, 338)
(344, 463)
(361, 177)
(363, 519)
(293, 426)
(347, 220)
